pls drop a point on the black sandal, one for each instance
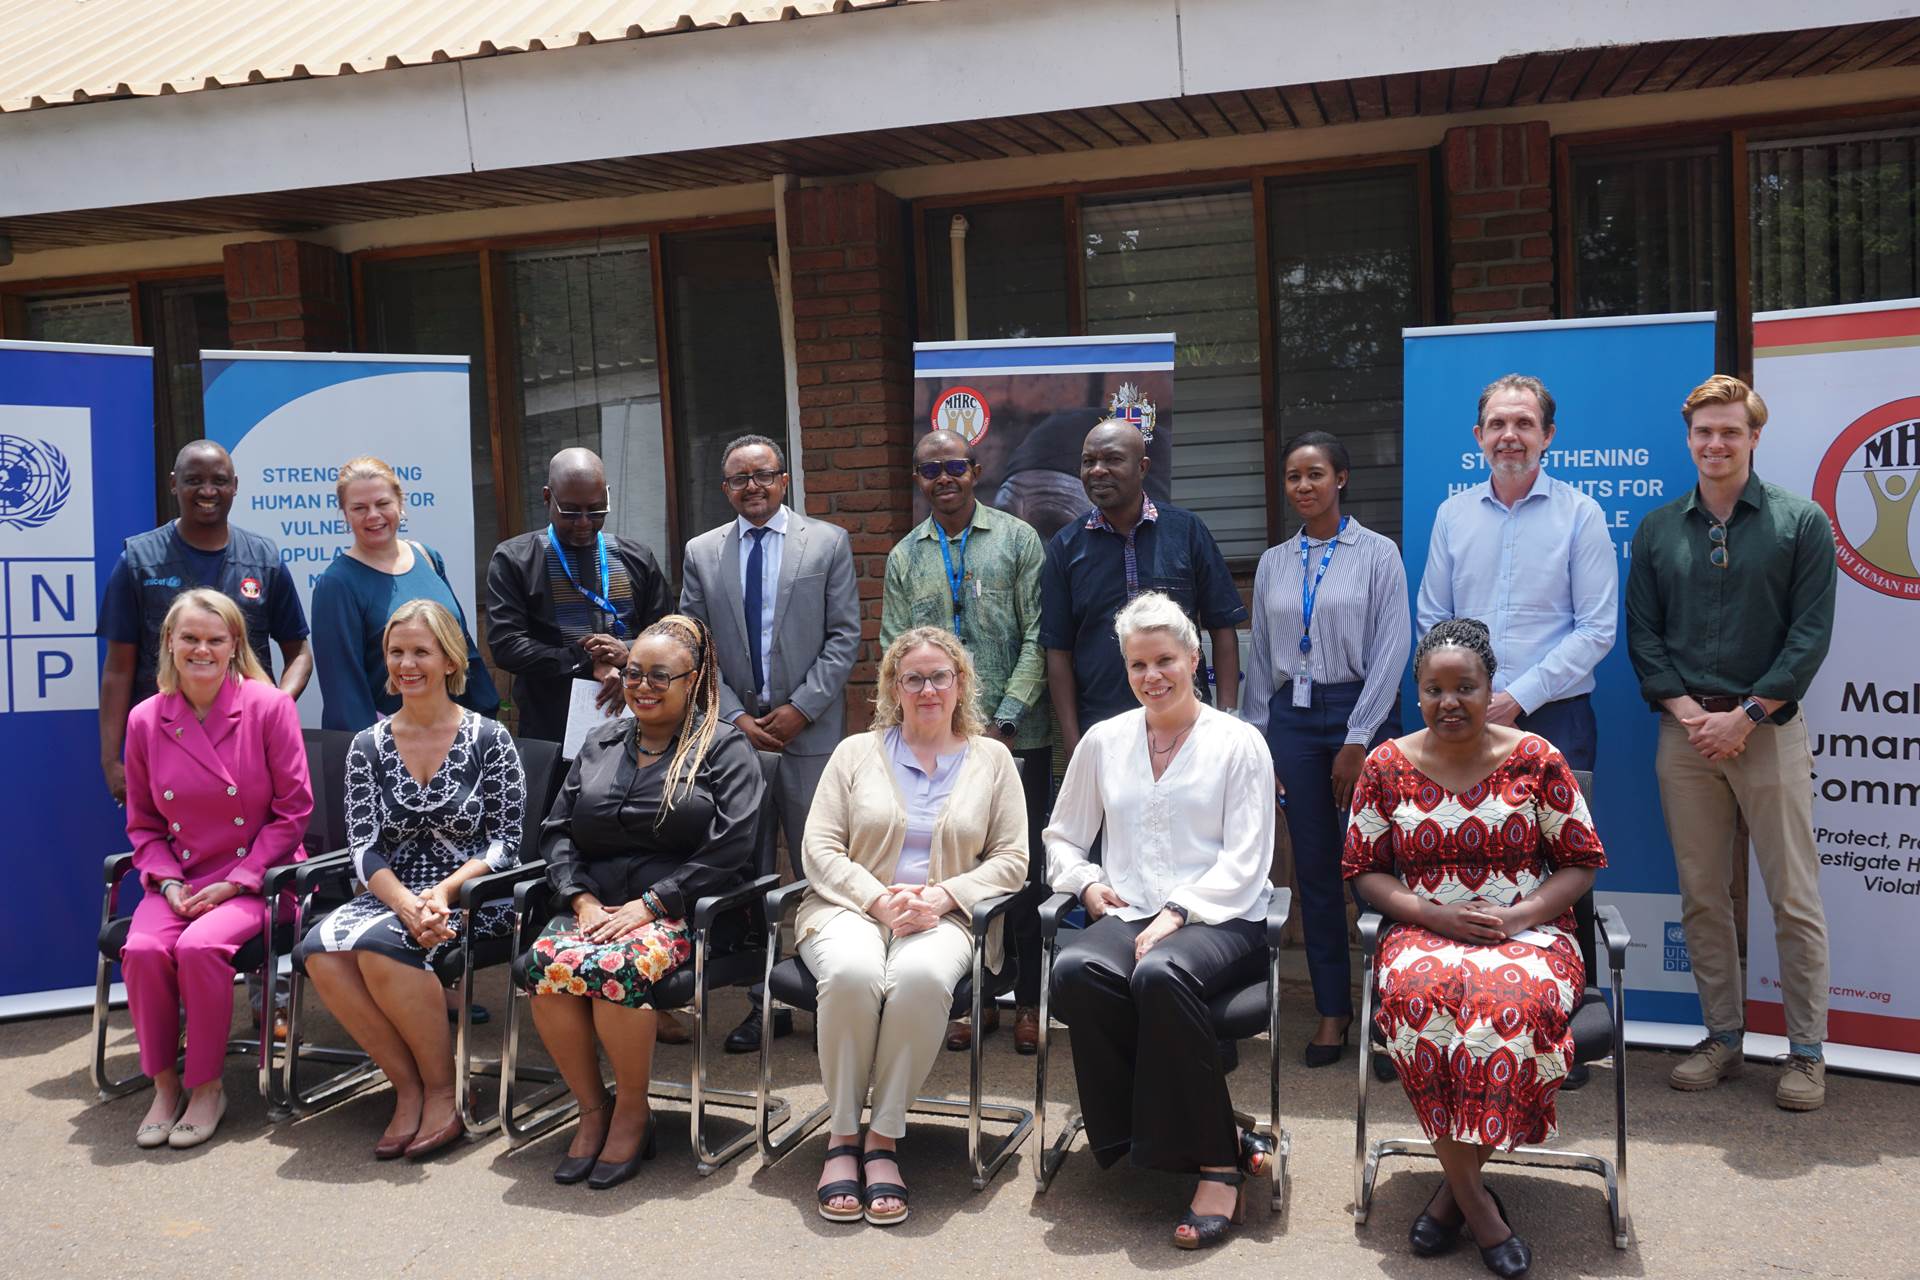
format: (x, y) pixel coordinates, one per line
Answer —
(844, 1187)
(1256, 1153)
(883, 1190)
(1210, 1229)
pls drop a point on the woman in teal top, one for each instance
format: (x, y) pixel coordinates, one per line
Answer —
(359, 591)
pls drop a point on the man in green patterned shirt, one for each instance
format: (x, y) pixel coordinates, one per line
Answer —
(977, 571)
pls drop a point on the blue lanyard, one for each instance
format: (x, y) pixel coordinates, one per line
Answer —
(956, 577)
(1308, 594)
(598, 601)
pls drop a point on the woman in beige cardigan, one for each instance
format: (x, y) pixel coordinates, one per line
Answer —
(913, 824)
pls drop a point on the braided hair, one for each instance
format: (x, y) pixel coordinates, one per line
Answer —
(1464, 633)
(702, 717)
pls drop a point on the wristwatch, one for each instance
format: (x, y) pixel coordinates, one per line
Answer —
(1178, 910)
(1008, 728)
(1755, 712)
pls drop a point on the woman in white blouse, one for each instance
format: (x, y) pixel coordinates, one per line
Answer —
(1177, 911)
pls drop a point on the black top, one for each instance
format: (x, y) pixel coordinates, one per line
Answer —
(536, 617)
(601, 838)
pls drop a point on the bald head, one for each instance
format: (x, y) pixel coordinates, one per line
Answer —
(1113, 469)
(576, 495)
(576, 463)
(941, 444)
(204, 451)
(204, 484)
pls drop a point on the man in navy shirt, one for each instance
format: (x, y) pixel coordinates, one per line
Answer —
(1127, 544)
(200, 549)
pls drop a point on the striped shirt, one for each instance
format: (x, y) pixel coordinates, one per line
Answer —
(1362, 628)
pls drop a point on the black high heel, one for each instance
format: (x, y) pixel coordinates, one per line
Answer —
(1256, 1153)
(572, 1169)
(612, 1175)
(1511, 1257)
(1431, 1237)
(1325, 1055)
(1210, 1229)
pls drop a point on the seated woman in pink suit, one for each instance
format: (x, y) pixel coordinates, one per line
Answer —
(217, 793)
(1475, 839)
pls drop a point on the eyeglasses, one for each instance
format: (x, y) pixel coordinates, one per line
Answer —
(1717, 535)
(917, 682)
(595, 515)
(955, 467)
(763, 479)
(659, 679)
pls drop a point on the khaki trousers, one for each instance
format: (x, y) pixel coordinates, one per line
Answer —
(882, 1012)
(1770, 784)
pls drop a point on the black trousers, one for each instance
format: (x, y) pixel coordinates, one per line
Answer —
(1023, 917)
(1144, 1054)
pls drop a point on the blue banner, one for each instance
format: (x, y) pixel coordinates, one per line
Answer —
(76, 478)
(1618, 384)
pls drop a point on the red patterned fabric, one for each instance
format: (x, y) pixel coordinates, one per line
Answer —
(1479, 1033)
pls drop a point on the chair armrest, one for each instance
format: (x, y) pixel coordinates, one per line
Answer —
(530, 896)
(284, 876)
(117, 866)
(496, 885)
(1051, 910)
(327, 869)
(1279, 909)
(707, 909)
(784, 901)
(987, 910)
(1370, 925)
(1613, 931)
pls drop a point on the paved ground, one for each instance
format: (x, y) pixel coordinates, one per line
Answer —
(1722, 1184)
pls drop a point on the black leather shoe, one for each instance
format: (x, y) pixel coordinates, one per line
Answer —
(572, 1169)
(1325, 1055)
(1576, 1078)
(1512, 1256)
(606, 1175)
(1430, 1237)
(745, 1038)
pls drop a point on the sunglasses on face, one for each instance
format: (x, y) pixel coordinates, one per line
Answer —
(955, 467)
(1717, 535)
(939, 681)
(659, 679)
(593, 515)
(764, 479)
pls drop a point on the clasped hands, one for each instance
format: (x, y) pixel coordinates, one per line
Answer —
(774, 730)
(191, 906)
(609, 657)
(598, 923)
(911, 908)
(1100, 898)
(1479, 921)
(428, 917)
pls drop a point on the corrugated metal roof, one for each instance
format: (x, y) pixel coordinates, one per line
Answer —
(54, 52)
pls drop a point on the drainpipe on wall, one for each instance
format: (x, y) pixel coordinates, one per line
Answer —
(957, 246)
(782, 268)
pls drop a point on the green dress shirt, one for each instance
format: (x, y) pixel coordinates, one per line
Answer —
(999, 614)
(1760, 626)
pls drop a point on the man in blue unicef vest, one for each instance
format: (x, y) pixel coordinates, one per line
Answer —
(200, 549)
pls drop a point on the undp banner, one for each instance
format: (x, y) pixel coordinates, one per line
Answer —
(290, 418)
(1842, 386)
(1618, 384)
(76, 478)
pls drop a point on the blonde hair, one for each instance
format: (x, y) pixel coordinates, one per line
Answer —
(366, 467)
(244, 663)
(967, 720)
(701, 719)
(446, 633)
(1723, 388)
(1155, 611)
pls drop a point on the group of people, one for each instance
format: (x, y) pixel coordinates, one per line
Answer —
(1472, 833)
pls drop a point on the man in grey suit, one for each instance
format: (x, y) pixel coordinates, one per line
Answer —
(777, 591)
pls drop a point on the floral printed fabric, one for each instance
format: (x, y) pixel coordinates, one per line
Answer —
(563, 962)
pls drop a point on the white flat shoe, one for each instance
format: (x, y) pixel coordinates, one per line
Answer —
(192, 1135)
(155, 1133)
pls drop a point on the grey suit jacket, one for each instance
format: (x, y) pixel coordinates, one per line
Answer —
(816, 623)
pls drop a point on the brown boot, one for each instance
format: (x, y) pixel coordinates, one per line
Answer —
(1026, 1029)
(960, 1030)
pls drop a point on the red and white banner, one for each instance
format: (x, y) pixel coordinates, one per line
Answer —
(1842, 386)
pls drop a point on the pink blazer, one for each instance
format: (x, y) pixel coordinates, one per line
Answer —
(223, 799)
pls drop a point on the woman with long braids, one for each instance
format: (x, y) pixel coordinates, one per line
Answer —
(658, 811)
(1474, 838)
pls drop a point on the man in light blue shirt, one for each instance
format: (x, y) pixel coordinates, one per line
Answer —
(1529, 556)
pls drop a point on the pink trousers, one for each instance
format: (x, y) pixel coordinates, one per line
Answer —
(169, 962)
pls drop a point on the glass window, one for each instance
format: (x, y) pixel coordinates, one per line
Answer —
(432, 306)
(1016, 270)
(1834, 219)
(589, 374)
(104, 319)
(181, 321)
(1345, 257)
(727, 372)
(1184, 264)
(1649, 232)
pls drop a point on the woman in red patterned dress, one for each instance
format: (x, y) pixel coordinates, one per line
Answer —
(1475, 838)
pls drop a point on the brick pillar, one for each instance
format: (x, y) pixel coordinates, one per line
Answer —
(1499, 212)
(286, 295)
(856, 385)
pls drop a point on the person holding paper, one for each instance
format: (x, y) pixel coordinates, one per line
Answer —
(565, 601)
(1474, 838)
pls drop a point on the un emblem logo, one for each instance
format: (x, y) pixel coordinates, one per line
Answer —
(35, 482)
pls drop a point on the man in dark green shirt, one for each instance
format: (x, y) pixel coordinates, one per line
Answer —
(1729, 614)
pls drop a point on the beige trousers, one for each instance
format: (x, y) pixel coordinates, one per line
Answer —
(882, 1012)
(1770, 784)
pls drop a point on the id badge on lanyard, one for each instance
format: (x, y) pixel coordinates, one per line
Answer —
(1310, 592)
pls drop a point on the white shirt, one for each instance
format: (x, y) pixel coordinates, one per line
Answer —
(1201, 836)
(771, 543)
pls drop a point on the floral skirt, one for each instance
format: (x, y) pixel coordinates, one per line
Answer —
(625, 972)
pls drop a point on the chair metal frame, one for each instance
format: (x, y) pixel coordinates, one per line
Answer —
(983, 1162)
(1279, 909)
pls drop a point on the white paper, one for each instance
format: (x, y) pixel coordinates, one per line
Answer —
(1533, 938)
(583, 717)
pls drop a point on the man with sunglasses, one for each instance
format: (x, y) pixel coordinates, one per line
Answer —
(776, 589)
(1729, 613)
(976, 570)
(565, 600)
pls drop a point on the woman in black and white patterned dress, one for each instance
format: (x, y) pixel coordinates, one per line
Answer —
(435, 797)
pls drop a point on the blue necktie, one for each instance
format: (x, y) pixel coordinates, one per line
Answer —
(756, 564)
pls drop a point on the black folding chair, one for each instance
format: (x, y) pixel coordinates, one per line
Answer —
(325, 881)
(1239, 1014)
(726, 953)
(1599, 1036)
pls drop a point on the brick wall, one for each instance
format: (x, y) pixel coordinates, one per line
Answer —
(286, 295)
(1498, 184)
(856, 385)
